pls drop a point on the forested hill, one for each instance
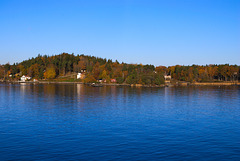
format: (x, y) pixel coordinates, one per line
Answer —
(55, 67)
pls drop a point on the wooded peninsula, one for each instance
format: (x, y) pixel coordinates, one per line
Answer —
(89, 69)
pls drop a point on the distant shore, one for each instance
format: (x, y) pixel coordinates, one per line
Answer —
(138, 85)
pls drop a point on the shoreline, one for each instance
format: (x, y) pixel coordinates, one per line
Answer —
(181, 84)
(216, 84)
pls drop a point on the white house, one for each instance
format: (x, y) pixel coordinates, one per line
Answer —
(24, 78)
(79, 75)
(28, 78)
(167, 77)
(100, 80)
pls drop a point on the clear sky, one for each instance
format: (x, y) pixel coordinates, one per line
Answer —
(158, 32)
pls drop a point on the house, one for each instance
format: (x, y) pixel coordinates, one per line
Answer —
(167, 77)
(113, 80)
(28, 78)
(79, 75)
(24, 78)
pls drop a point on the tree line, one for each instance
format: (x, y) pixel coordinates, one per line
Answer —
(53, 67)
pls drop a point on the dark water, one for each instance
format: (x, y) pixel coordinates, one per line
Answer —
(77, 122)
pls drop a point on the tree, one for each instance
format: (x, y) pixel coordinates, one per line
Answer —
(120, 80)
(159, 79)
(14, 69)
(89, 79)
(132, 79)
(7, 67)
(96, 70)
(104, 76)
(2, 72)
(50, 72)
(108, 66)
(35, 69)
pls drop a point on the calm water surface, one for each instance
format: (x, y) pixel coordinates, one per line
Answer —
(77, 122)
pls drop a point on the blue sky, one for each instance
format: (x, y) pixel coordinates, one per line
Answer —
(158, 32)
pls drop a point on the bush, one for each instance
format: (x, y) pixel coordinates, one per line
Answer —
(90, 79)
(131, 79)
(159, 80)
(120, 80)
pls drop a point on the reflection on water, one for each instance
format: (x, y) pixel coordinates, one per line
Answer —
(77, 122)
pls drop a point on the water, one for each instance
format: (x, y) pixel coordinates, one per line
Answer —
(77, 122)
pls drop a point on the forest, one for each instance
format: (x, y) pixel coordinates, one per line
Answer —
(55, 67)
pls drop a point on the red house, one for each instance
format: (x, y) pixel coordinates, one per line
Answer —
(113, 80)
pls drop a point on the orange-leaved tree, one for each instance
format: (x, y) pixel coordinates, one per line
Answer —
(50, 72)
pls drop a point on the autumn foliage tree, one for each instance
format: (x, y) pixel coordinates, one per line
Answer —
(50, 72)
